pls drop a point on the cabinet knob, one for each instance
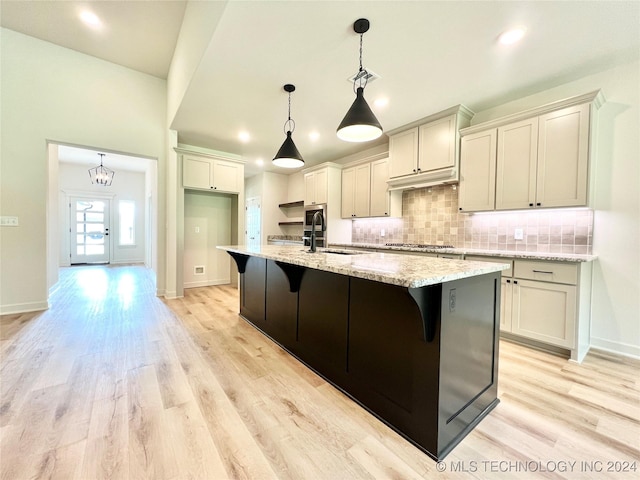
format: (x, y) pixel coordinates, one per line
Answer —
(414, 170)
(211, 186)
(386, 213)
(460, 208)
(515, 281)
(538, 204)
(531, 204)
(419, 169)
(508, 281)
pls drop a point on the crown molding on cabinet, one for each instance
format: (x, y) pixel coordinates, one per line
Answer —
(210, 154)
(321, 166)
(458, 109)
(596, 98)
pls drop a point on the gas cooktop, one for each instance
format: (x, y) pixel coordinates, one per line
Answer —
(417, 245)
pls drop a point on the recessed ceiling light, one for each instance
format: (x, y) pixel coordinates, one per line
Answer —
(381, 102)
(512, 36)
(314, 136)
(244, 136)
(259, 161)
(90, 18)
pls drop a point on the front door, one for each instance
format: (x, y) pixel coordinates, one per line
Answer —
(89, 232)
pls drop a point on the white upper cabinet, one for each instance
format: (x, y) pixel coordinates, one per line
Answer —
(356, 191)
(316, 187)
(426, 152)
(437, 141)
(403, 150)
(211, 174)
(542, 160)
(380, 197)
(478, 172)
(516, 165)
(563, 158)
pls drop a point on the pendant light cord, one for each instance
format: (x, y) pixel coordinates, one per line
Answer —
(362, 72)
(290, 123)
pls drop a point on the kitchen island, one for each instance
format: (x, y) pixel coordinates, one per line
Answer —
(414, 340)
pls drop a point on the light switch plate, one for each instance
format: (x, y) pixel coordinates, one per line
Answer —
(8, 221)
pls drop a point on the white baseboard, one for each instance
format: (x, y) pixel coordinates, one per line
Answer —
(620, 348)
(206, 283)
(23, 308)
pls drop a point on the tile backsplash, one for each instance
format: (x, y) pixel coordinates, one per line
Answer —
(430, 215)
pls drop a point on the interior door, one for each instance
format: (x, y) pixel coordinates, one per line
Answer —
(89, 230)
(252, 222)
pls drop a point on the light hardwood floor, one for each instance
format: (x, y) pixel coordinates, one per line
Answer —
(112, 382)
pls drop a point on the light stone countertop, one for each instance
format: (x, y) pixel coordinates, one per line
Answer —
(552, 257)
(409, 271)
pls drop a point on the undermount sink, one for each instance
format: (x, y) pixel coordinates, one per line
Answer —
(335, 252)
(341, 252)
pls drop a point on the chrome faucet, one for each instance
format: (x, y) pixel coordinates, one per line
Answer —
(312, 240)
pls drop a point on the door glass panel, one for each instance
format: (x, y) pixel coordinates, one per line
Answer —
(80, 250)
(95, 249)
(94, 217)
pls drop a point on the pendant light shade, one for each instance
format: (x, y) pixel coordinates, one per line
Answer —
(101, 175)
(288, 155)
(359, 124)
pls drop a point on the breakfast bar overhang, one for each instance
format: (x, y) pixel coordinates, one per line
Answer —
(414, 340)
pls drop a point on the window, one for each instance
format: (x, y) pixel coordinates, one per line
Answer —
(127, 222)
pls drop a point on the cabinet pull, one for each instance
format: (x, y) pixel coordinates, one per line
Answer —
(531, 204)
(515, 282)
(543, 271)
(508, 281)
(538, 204)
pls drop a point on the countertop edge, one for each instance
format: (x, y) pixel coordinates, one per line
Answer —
(402, 279)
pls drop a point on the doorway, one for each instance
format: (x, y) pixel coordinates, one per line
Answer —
(252, 222)
(89, 230)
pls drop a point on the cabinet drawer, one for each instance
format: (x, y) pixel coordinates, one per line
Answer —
(547, 271)
(509, 261)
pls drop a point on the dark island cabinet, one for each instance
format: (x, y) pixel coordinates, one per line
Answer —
(423, 360)
(323, 324)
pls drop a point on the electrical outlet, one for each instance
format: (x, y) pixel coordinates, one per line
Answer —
(382, 232)
(518, 234)
(9, 221)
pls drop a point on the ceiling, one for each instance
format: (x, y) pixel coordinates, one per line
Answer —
(89, 159)
(429, 56)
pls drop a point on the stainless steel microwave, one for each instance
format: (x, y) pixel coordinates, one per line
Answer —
(310, 211)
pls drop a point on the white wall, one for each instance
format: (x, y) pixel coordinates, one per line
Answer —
(207, 224)
(74, 181)
(53, 93)
(615, 304)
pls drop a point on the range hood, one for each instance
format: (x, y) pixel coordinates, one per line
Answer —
(444, 176)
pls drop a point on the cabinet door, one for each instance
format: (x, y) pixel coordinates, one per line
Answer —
(403, 153)
(309, 188)
(563, 155)
(196, 172)
(322, 186)
(362, 191)
(379, 189)
(505, 304)
(545, 312)
(516, 165)
(348, 192)
(478, 172)
(225, 176)
(437, 144)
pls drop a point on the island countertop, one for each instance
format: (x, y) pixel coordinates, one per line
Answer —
(403, 270)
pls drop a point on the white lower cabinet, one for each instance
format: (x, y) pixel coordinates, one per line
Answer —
(544, 311)
(545, 301)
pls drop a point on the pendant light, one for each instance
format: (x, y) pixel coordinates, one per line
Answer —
(101, 175)
(360, 124)
(288, 156)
